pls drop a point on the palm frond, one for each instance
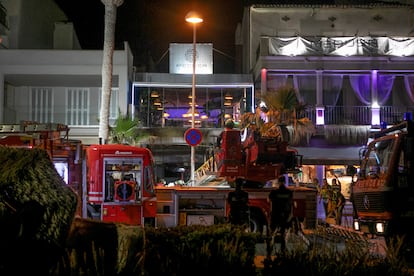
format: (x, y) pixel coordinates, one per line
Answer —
(126, 131)
(282, 106)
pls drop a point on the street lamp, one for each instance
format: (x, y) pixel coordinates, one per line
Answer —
(193, 18)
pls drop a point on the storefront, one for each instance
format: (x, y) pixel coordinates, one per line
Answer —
(164, 100)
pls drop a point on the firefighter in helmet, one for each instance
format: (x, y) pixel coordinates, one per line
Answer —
(239, 208)
(227, 126)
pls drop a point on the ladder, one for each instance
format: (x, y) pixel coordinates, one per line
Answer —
(31, 126)
(206, 172)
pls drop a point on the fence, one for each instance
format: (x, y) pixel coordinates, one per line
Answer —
(357, 115)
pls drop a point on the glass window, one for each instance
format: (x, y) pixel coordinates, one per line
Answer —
(379, 157)
(122, 179)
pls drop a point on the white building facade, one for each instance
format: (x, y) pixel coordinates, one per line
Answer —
(349, 61)
(46, 77)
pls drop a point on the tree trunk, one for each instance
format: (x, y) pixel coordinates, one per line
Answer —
(107, 61)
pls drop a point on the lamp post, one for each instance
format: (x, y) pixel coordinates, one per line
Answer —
(193, 18)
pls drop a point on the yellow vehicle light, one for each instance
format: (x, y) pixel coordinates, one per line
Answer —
(356, 225)
(380, 227)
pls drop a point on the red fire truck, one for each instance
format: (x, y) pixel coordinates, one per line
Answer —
(257, 161)
(120, 184)
(116, 183)
(65, 153)
(383, 195)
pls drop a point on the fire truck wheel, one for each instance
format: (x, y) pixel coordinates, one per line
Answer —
(257, 222)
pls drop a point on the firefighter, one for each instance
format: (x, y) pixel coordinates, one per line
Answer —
(339, 205)
(250, 147)
(281, 210)
(336, 184)
(229, 125)
(324, 196)
(239, 208)
(331, 215)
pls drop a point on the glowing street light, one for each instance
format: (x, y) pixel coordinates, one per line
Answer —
(193, 18)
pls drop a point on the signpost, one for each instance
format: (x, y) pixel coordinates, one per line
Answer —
(193, 136)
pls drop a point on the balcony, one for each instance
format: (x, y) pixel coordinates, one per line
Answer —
(344, 127)
(358, 115)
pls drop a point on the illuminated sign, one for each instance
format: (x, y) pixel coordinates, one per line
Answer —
(181, 58)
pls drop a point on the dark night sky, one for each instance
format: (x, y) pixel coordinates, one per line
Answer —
(150, 26)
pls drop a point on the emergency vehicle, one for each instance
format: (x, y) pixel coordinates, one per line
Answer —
(65, 153)
(116, 183)
(258, 161)
(383, 195)
(120, 184)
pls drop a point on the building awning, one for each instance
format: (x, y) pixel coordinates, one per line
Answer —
(330, 155)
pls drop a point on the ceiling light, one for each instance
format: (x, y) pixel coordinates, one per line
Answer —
(189, 113)
(228, 96)
(154, 94)
(157, 102)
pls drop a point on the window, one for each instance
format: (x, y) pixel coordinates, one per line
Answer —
(379, 160)
(77, 106)
(123, 178)
(41, 105)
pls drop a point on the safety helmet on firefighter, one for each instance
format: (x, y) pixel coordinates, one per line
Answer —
(229, 124)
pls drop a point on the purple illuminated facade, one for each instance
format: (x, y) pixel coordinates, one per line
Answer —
(349, 64)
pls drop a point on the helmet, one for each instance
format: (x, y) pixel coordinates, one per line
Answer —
(229, 124)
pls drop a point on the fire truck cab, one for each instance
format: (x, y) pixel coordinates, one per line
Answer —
(383, 195)
(65, 153)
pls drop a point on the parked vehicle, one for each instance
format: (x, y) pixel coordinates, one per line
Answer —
(383, 195)
(120, 184)
(66, 154)
(116, 183)
(259, 161)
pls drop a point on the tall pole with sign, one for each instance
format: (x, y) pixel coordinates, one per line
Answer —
(193, 18)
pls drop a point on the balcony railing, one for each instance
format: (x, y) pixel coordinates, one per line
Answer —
(334, 115)
(357, 115)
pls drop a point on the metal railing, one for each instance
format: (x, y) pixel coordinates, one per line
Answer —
(334, 115)
(357, 115)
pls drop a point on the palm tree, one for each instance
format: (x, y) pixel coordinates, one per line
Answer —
(281, 109)
(128, 131)
(107, 62)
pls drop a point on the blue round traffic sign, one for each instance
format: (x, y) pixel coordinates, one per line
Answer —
(193, 136)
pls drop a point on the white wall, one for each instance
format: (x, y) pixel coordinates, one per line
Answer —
(32, 23)
(325, 20)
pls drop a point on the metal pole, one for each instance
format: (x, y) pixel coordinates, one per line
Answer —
(193, 106)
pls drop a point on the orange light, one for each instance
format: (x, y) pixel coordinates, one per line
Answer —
(193, 17)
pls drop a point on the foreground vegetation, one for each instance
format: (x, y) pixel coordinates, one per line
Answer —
(97, 248)
(40, 234)
(327, 258)
(214, 250)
